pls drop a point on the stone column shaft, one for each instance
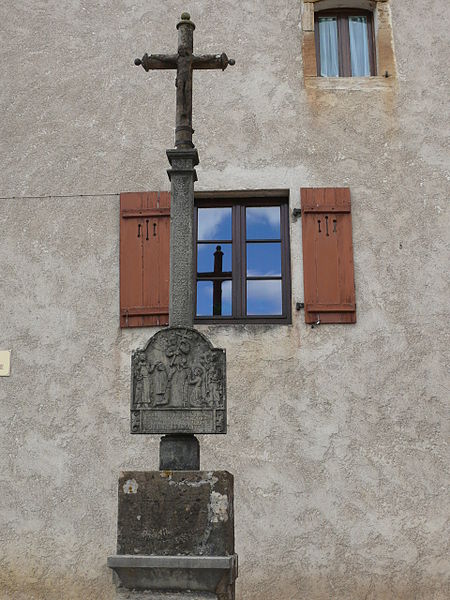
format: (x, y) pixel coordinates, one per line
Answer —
(182, 176)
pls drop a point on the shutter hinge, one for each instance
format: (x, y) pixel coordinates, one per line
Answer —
(296, 213)
(299, 305)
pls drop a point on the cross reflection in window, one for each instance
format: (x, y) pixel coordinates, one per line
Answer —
(242, 261)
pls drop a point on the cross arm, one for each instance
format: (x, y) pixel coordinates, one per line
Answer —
(157, 61)
(212, 61)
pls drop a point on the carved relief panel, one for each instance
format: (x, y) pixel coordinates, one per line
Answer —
(178, 384)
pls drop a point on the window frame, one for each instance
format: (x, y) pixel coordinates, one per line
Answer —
(238, 204)
(344, 57)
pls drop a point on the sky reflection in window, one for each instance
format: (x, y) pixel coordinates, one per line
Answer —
(263, 222)
(213, 298)
(264, 298)
(263, 260)
(214, 223)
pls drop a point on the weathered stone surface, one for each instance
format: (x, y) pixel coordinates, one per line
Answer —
(123, 594)
(178, 384)
(170, 513)
(179, 453)
(176, 573)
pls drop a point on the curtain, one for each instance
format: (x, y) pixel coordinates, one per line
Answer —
(329, 60)
(359, 46)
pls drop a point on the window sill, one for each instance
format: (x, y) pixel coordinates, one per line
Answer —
(363, 84)
(248, 321)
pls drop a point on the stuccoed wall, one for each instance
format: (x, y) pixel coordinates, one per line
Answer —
(336, 434)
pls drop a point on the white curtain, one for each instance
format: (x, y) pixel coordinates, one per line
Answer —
(329, 60)
(359, 46)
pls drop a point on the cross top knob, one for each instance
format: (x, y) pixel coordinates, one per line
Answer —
(185, 61)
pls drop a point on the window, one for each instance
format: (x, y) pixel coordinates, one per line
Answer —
(242, 257)
(345, 43)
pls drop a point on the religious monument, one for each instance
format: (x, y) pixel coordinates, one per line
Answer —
(176, 525)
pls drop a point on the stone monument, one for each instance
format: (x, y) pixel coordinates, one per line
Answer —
(176, 525)
(178, 388)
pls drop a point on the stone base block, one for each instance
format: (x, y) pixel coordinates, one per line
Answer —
(124, 594)
(176, 532)
(174, 513)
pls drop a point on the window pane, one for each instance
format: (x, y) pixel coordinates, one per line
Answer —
(213, 298)
(213, 259)
(263, 260)
(359, 46)
(264, 298)
(329, 61)
(214, 223)
(263, 222)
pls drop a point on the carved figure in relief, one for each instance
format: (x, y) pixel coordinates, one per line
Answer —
(178, 371)
(215, 387)
(177, 347)
(160, 381)
(177, 384)
(197, 388)
(142, 380)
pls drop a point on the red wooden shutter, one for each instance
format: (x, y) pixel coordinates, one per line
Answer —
(328, 255)
(144, 258)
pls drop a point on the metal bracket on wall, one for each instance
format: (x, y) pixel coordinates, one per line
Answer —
(296, 213)
(299, 305)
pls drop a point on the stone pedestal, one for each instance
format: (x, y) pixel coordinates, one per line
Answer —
(179, 452)
(176, 532)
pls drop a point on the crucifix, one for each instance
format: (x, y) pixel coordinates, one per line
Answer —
(192, 389)
(183, 160)
(169, 538)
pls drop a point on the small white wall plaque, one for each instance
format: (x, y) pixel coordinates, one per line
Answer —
(5, 363)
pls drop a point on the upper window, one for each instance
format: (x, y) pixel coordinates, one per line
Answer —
(345, 43)
(242, 261)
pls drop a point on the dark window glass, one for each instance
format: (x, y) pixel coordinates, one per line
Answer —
(243, 262)
(345, 43)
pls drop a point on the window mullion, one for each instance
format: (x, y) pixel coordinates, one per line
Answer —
(243, 261)
(345, 46)
(235, 291)
(284, 251)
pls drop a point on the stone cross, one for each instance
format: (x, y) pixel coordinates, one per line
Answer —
(182, 175)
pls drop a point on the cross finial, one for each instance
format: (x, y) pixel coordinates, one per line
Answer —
(184, 62)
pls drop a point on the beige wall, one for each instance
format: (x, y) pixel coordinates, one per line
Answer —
(336, 434)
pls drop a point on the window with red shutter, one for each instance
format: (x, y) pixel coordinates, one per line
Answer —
(328, 255)
(144, 258)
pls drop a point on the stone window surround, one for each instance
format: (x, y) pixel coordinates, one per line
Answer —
(383, 41)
